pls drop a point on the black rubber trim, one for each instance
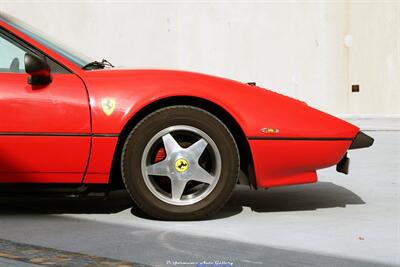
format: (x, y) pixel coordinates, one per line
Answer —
(105, 135)
(362, 140)
(343, 165)
(300, 138)
(60, 134)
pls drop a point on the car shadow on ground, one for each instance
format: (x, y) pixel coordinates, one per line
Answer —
(290, 198)
(36, 204)
(305, 197)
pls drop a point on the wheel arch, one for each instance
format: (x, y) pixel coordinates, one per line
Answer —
(246, 160)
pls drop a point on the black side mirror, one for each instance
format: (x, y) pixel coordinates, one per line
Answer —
(38, 69)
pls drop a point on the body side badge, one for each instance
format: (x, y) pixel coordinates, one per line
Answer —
(269, 130)
(108, 105)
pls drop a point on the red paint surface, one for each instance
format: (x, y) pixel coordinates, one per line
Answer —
(252, 107)
(100, 159)
(60, 107)
(63, 107)
(279, 162)
(43, 159)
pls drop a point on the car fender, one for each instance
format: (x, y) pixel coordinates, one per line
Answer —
(252, 107)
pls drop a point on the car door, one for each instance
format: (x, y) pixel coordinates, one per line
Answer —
(44, 130)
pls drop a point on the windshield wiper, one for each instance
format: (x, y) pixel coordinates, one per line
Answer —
(98, 65)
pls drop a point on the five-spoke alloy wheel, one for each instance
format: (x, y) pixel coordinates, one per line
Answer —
(180, 163)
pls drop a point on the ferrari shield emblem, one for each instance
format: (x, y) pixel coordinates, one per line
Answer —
(181, 165)
(108, 105)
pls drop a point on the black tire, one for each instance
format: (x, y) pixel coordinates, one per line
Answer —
(151, 125)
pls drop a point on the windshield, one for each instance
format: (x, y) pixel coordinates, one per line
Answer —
(68, 53)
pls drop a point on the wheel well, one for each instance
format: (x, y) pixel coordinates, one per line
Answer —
(246, 161)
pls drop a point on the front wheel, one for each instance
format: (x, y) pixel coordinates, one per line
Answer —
(180, 163)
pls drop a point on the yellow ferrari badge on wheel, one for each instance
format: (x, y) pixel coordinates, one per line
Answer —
(181, 165)
(108, 105)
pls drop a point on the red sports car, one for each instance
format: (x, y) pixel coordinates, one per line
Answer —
(178, 141)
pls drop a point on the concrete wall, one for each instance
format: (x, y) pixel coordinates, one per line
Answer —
(374, 58)
(295, 48)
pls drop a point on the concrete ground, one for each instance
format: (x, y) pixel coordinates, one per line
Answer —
(342, 220)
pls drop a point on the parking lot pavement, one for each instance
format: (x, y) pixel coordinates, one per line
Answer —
(15, 263)
(18, 254)
(343, 220)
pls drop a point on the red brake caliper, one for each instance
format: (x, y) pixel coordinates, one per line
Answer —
(160, 155)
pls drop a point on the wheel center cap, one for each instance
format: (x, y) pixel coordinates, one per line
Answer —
(181, 165)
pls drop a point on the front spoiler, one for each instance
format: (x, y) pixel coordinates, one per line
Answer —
(362, 140)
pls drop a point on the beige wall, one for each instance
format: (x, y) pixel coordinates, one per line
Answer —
(295, 48)
(374, 58)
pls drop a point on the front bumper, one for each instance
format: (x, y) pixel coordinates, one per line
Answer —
(362, 140)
